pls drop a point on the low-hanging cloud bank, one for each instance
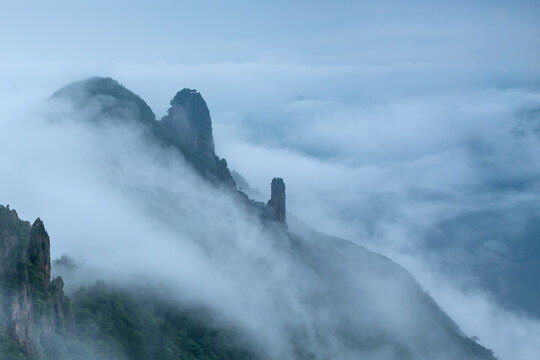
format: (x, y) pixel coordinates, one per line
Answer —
(389, 174)
(133, 211)
(417, 162)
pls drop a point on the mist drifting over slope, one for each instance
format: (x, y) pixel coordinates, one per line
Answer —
(136, 214)
(403, 177)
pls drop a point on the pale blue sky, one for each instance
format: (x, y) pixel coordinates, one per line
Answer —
(269, 52)
(315, 32)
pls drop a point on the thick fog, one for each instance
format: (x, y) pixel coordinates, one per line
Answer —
(384, 120)
(387, 174)
(133, 213)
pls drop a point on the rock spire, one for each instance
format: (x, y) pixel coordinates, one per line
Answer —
(276, 204)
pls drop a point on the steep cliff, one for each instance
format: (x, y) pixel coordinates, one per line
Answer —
(33, 306)
(276, 204)
(37, 322)
(188, 126)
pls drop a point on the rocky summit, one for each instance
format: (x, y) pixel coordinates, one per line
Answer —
(105, 99)
(187, 127)
(188, 124)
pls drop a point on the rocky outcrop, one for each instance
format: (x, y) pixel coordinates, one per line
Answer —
(186, 127)
(39, 256)
(276, 204)
(32, 306)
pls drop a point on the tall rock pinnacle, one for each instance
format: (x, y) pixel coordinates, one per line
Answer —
(276, 204)
(39, 255)
(188, 124)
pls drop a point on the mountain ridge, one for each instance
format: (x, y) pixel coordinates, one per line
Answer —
(359, 303)
(187, 126)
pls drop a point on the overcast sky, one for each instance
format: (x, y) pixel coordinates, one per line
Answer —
(314, 32)
(489, 41)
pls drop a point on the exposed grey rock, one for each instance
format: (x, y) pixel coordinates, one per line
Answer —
(34, 306)
(276, 204)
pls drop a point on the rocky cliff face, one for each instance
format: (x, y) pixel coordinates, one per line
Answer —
(32, 306)
(188, 127)
(276, 204)
(187, 123)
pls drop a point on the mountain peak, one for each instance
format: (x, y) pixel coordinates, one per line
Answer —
(38, 223)
(188, 123)
(188, 126)
(185, 94)
(100, 96)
